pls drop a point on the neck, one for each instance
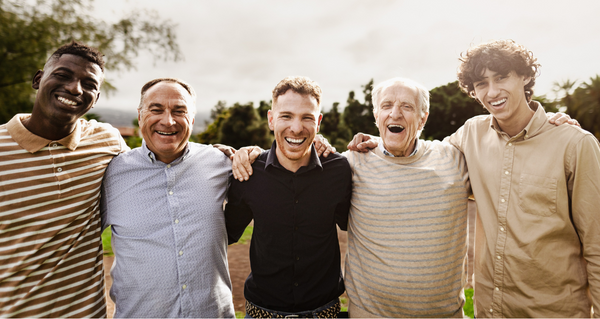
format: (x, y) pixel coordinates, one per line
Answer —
(290, 164)
(514, 126)
(46, 129)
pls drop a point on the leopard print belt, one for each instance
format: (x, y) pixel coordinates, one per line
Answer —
(257, 312)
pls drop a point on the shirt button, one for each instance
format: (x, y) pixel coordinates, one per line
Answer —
(54, 145)
(184, 286)
(526, 135)
(295, 284)
(501, 228)
(502, 200)
(506, 173)
(168, 165)
(297, 258)
(170, 192)
(296, 201)
(180, 252)
(509, 144)
(177, 221)
(59, 169)
(491, 310)
(497, 289)
(499, 257)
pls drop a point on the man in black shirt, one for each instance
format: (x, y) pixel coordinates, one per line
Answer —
(295, 198)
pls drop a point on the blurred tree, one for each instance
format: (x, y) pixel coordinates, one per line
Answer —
(218, 114)
(263, 109)
(358, 116)
(31, 30)
(584, 105)
(334, 128)
(135, 140)
(449, 109)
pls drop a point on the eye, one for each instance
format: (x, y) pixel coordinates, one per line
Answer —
(479, 84)
(408, 107)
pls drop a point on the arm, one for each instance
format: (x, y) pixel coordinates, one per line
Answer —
(584, 189)
(343, 208)
(561, 118)
(237, 213)
(362, 143)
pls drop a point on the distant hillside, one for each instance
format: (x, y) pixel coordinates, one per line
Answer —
(124, 118)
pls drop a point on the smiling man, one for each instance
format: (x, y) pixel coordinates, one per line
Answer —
(51, 168)
(537, 251)
(164, 201)
(295, 198)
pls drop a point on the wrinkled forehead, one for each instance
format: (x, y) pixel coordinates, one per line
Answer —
(75, 64)
(169, 93)
(399, 92)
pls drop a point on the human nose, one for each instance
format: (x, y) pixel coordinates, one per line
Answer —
(74, 87)
(296, 126)
(396, 112)
(493, 90)
(167, 119)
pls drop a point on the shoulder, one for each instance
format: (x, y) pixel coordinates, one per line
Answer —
(209, 155)
(335, 160)
(95, 127)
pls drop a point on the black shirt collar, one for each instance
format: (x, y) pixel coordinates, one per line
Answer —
(273, 161)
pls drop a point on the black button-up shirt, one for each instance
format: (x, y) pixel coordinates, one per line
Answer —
(294, 252)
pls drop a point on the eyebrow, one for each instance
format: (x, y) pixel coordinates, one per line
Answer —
(68, 70)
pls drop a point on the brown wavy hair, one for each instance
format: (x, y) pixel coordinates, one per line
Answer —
(299, 84)
(501, 56)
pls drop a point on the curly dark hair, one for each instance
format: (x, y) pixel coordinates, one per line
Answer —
(501, 56)
(77, 48)
(299, 84)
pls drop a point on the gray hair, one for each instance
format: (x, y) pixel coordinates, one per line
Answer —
(422, 93)
(183, 84)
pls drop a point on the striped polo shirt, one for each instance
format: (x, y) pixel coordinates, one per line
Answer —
(407, 233)
(50, 247)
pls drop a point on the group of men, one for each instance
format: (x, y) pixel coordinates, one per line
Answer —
(403, 201)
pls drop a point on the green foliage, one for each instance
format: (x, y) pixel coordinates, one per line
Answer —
(134, 140)
(358, 116)
(106, 244)
(468, 307)
(449, 109)
(237, 126)
(334, 129)
(584, 105)
(31, 30)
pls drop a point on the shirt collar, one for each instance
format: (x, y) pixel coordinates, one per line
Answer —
(536, 122)
(33, 143)
(386, 153)
(273, 161)
(152, 157)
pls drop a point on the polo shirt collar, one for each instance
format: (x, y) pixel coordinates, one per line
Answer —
(273, 161)
(33, 143)
(152, 157)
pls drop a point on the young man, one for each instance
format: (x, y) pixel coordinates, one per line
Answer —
(536, 187)
(164, 201)
(295, 198)
(51, 167)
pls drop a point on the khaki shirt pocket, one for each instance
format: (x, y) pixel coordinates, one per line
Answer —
(537, 195)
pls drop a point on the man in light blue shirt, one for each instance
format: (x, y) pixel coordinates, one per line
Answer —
(164, 201)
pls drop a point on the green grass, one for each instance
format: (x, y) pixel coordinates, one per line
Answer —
(240, 314)
(246, 236)
(106, 234)
(468, 307)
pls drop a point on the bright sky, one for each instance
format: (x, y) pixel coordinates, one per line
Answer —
(237, 50)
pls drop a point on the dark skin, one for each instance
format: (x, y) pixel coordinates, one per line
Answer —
(68, 87)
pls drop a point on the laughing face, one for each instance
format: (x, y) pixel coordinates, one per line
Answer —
(399, 119)
(166, 120)
(67, 88)
(504, 97)
(295, 120)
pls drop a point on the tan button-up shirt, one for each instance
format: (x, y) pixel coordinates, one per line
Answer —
(537, 241)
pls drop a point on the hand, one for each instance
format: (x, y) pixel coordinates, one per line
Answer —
(227, 150)
(242, 162)
(322, 146)
(562, 118)
(362, 143)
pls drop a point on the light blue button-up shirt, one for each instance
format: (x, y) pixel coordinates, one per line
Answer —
(168, 233)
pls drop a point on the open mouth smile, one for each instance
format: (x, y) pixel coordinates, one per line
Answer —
(66, 101)
(295, 141)
(166, 133)
(395, 128)
(498, 103)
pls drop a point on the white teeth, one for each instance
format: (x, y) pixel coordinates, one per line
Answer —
(294, 140)
(498, 102)
(166, 133)
(396, 125)
(65, 101)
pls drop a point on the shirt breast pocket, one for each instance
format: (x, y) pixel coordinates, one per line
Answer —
(537, 195)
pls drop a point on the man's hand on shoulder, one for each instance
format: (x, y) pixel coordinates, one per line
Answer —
(227, 150)
(362, 143)
(561, 118)
(242, 162)
(322, 146)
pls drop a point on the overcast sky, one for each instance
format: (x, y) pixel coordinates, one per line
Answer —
(237, 51)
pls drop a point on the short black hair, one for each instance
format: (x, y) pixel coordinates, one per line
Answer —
(77, 48)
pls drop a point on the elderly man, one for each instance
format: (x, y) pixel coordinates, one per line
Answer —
(164, 201)
(406, 249)
(51, 168)
(296, 198)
